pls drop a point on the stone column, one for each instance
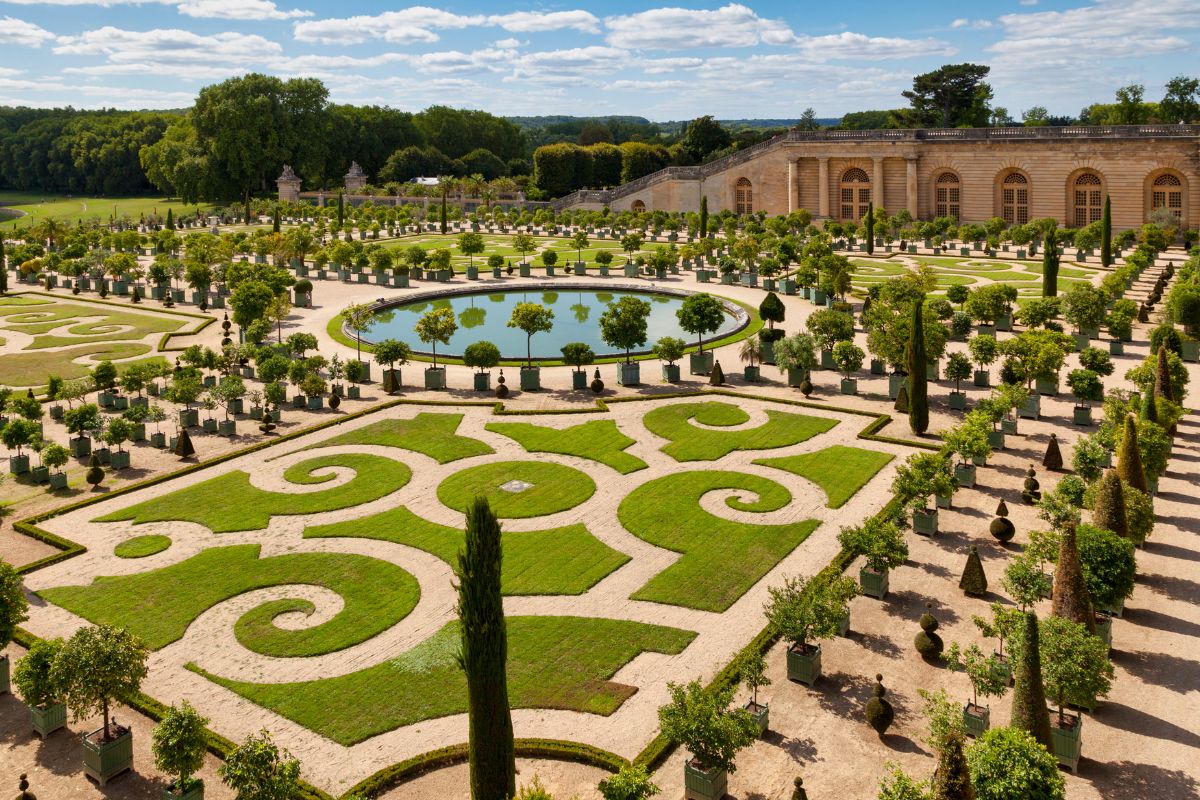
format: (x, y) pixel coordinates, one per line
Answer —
(823, 187)
(877, 182)
(910, 186)
(793, 184)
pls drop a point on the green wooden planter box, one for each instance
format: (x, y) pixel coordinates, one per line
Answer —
(958, 401)
(531, 379)
(18, 465)
(878, 366)
(102, 761)
(482, 381)
(795, 377)
(1191, 350)
(57, 480)
(995, 439)
(1082, 415)
(984, 329)
(210, 425)
(629, 374)
(1004, 322)
(195, 791)
(844, 623)
(47, 719)
(849, 386)
(700, 363)
(227, 427)
(1046, 387)
(804, 667)
(1031, 408)
(933, 371)
(699, 784)
(119, 459)
(965, 474)
(315, 402)
(579, 379)
(435, 378)
(1116, 347)
(104, 456)
(762, 715)
(925, 522)
(81, 447)
(944, 501)
(983, 378)
(670, 373)
(1104, 628)
(976, 719)
(874, 584)
(1067, 742)
(894, 384)
(827, 359)
(750, 374)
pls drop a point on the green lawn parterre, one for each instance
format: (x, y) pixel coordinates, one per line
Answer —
(840, 471)
(599, 440)
(429, 434)
(553, 662)
(689, 442)
(230, 503)
(34, 207)
(554, 488)
(159, 605)
(142, 546)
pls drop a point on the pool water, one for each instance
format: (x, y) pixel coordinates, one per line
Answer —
(484, 316)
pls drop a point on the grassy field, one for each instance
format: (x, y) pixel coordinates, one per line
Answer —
(599, 440)
(553, 662)
(689, 442)
(83, 323)
(840, 471)
(721, 558)
(565, 560)
(429, 434)
(159, 605)
(142, 546)
(553, 488)
(31, 208)
(230, 503)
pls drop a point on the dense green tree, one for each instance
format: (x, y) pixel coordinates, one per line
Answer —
(639, 159)
(483, 656)
(703, 136)
(952, 96)
(1050, 259)
(414, 162)
(1106, 234)
(1181, 102)
(1009, 764)
(918, 384)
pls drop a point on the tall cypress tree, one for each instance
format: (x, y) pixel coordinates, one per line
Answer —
(918, 383)
(1129, 457)
(483, 656)
(1029, 711)
(1162, 375)
(704, 217)
(1108, 512)
(170, 219)
(1070, 595)
(952, 778)
(1050, 264)
(341, 210)
(443, 212)
(1106, 233)
(3, 269)
(870, 228)
(275, 221)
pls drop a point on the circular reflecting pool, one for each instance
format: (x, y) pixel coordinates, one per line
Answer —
(484, 316)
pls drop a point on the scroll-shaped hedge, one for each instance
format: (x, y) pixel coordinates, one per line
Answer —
(721, 559)
(230, 503)
(689, 442)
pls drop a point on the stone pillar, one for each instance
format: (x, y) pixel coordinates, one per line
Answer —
(823, 187)
(793, 184)
(910, 186)
(877, 182)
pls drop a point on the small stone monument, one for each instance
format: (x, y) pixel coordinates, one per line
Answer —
(289, 185)
(356, 179)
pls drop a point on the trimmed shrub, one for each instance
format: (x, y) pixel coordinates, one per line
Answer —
(1129, 457)
(1108, 512)
(1029, 712)
(973, 581)
(880, 713)
(1070, 594)
(927, 642)
(1009, 764)
(1053, 459)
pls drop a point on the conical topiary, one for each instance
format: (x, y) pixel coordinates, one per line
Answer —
(1109, 511)
(1162, 375)
(973, 581)
(95, 474)
(597, 383)
(1031, 493)
(1029, 712)
(183, 445)
(717, 376)
(1129, 457)
(918, 383)
(879, 711)
(927, 642)
(1070, 595)
(901, 403)
(1149, 407)
(1002, 508)
(952, 778)
(1053, 459)
(501, 386)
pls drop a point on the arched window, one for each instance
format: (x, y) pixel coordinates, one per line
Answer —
(743, 196)
(638, 207)
(946, 194)
(855, 194)
(1088, 199)
(1014, 198)
(1167, 192)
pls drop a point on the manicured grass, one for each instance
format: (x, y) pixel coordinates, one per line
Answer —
(142, 546)
(721, 559)
(429, 434)
(39, 206)
(553, 662)
(230, 503)
(555, 488)
(566, 560)
(93, 323)
(160, 604)
(599, 440)
(689, 442)
(840, 471)
(31, 368)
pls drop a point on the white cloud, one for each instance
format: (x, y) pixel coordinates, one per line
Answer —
(975, 24)
(168, 52)
(1106, 19)
(237, 9)
(648, 86)
(508, 44)
(658, 66)
(417, 24)
(20, 32)
(849, 46)
(538, 21)
(732, 25)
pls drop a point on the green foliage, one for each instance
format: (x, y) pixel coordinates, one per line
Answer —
(688, 442)
(848, 357)
(897, 785)
(578, 354)
(772, 310)
(1070, 595)
(436, 325)
(1029, 713)
(951, 96)
(918, 384)
(828, 327)
(532, 318)
(1109, 565)
(481, 355)
(700, 314)
(984, 672)
(702, 721)
(97, 666)
(1129, 458)
(878, 541)
(805, 610)
(258, 770)
(631, 783)
(1024, 581)
(921, 476)
(32, 674)
(391, 351)
(1010, 764)
(880, 713)
(624, 323)
(1108, 510)
(670, 349)
(1075, 665)
(179, 744)
(796, 352)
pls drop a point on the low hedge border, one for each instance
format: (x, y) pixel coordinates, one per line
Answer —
(390, 777)
(651, 756)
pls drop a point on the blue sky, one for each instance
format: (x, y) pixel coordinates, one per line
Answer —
(659, 60)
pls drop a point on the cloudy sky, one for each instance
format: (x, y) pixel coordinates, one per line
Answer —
(747, 59)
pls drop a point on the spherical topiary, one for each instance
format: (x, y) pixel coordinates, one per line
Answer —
(880, 713)
(806, 386)
(501, 386)
(1053, 459)
(597, 384)
(95, 474)
(1002, 529)
(927, 642)
(973, 581)
(335, 400)
(25, 794)
(1031, 494)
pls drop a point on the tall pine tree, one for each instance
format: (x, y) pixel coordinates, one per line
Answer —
(918, 381)
(1106, 233)
(483, 657)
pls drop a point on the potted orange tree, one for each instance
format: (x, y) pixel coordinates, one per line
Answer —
(179, 744)
(881, 545)
(804, 611)
(702, 721)
(13, 606)
(988, 678)
(41, 694)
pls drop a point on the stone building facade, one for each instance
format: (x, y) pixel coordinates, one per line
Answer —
(970, 174)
